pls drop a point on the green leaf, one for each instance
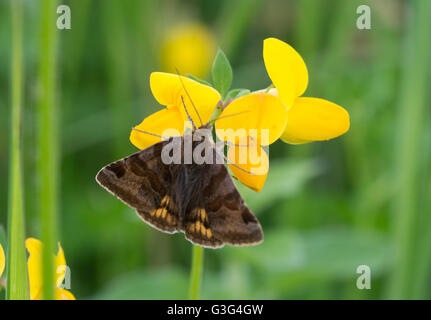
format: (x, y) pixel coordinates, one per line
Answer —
(199, 80)
(236, 93)
(222, 73)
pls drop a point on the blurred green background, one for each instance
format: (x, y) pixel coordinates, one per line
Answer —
(326, 208)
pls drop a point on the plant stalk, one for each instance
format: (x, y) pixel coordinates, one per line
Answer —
(196, 272)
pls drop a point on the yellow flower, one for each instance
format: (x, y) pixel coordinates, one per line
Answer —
(2, 260)
(281, 111)
(257, 119)
(168, 90)
(309, 119)
(254, 114)
(34, 264)
(189, 48)
(251, 121)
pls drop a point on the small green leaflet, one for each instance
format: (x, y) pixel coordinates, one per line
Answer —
(222, 73)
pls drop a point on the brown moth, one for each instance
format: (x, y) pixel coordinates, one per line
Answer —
(199, 200)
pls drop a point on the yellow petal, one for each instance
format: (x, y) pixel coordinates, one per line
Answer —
(2, 260)
(169, 91)
(34, 264)
(314, 119)
(60, 266)
(60, 274)
(62, 294)
(258, 115)
(286, 68)
(253, 165)
(166, 122)
(189, 48)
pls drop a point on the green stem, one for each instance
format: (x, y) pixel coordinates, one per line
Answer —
(196, 272)
(48, 166)
(271, 86)
(412, 112)
(17, 278)
(217, 111)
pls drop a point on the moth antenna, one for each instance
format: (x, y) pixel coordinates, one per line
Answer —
(228, 115)
(188, 115)
(190, 98)
(237, 166)
(152, 134)
(230, 144)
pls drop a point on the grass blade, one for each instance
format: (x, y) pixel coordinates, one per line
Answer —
(412, 111)
(17, 279)
(48, 165)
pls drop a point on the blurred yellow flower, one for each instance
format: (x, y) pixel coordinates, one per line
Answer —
(309, 119)
(34, 264)
(2, 260)
(189, 48)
